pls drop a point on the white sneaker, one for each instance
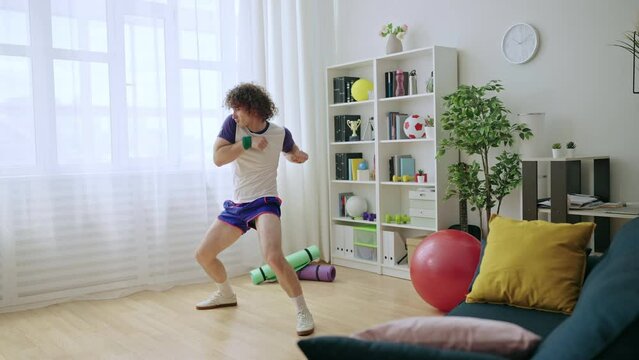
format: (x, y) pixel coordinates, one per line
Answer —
(305, 324)
(216, 300)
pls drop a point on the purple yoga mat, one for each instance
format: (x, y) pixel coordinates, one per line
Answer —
(317, 272)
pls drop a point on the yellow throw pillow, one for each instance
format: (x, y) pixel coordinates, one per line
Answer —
(532, 264)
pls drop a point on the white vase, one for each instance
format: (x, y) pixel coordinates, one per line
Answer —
(557, 153)
(570, 153)
(393, 44)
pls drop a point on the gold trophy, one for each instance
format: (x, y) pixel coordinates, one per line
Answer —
(354, 125)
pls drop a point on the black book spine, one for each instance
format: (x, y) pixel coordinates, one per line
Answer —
(405, 82)
(339, 90)
(338, 166)
(348, 85)
(388, 83)
(391, 169)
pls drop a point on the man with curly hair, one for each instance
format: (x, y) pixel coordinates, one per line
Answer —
(254, 144)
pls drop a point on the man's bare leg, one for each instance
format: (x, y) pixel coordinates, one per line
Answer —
(270, 234)
(219, 237)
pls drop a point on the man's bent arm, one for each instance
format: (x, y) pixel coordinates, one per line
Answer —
(224, 152)
(296, 155)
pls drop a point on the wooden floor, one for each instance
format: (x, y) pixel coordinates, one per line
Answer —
(164, 325)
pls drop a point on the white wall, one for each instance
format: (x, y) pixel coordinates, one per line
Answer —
(580, 82)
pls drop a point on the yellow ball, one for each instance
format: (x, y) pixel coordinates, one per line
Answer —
(360, 89)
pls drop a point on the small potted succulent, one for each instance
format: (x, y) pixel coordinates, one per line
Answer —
(556, 150)
(421, 176)
(570, 149)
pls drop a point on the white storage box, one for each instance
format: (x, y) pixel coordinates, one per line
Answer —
(422, 194)
(422, 204)
(422, 213)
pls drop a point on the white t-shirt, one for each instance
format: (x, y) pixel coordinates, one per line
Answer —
(255, 171)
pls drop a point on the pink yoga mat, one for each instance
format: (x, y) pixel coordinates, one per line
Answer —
(317, 272)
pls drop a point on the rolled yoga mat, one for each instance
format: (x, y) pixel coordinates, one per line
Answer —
(317, 272)
(297, 260)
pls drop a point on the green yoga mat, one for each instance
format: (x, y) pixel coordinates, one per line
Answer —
(297, 260)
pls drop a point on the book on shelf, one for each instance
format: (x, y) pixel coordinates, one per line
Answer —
(396, 125)
(399, 125)
(353, 165)
(341, 203)
(581, 199)
(389, 83)
(341, 164)
(394, 165)
(581, 202)
(407, 166)
(342, 89)
(391, 125)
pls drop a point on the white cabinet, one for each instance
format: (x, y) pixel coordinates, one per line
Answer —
(391, 201)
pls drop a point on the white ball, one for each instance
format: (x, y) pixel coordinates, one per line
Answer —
(355, 206)
(415, 127)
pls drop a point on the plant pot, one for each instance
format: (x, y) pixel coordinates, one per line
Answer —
(393, 44)
(570, 153)
(430, 132)
(557, 153)
(421, 178)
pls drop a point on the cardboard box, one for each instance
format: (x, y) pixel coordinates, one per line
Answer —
(411, 244)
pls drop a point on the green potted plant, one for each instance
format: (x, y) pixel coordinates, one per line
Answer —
(477, 125)
(630, 42)
(556, 150)
(570, 149)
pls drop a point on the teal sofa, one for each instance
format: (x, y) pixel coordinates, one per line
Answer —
(603, 325)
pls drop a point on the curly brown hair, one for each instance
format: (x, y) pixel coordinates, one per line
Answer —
(253, 98)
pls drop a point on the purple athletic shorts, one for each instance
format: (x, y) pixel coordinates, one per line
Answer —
(243, 215)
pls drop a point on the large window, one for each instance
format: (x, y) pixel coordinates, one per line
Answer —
(98, 84)
(108, 113)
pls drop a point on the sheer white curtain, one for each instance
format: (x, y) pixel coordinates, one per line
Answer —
(108, 113)
(284, 45)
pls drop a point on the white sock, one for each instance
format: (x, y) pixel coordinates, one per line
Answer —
(300, 303)
(225, 288)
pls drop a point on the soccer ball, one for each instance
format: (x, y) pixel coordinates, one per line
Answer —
(415, 127)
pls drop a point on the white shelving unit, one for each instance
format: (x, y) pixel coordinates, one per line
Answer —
(382, 195)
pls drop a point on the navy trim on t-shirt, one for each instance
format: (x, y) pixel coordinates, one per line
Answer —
(287, 146)
(229, 127)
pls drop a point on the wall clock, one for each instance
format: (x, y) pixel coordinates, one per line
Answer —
(520, 43)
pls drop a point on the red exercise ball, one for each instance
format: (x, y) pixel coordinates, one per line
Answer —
(442, 267)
